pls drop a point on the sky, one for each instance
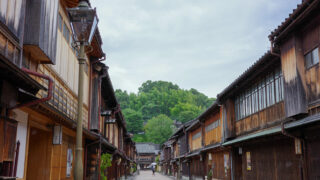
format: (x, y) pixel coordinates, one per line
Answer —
(201, 44)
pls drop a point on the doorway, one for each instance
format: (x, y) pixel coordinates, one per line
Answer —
(38, 155)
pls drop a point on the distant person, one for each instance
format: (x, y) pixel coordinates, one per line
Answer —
(153, 168)
(138, 168)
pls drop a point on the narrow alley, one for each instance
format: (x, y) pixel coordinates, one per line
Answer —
(147, 175)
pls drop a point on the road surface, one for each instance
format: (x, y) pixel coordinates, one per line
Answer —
(147, 175)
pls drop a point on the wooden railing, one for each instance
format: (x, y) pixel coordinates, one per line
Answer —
(64, 99)
(9, 48)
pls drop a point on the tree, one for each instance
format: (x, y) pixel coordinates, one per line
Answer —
(159, 129)
(134, 120)
(160, 97)
(184, 112)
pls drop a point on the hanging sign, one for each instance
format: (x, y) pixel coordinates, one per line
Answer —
(226, 164)
(69, 162)
(248, 157)
(297, 144)
(57, 135)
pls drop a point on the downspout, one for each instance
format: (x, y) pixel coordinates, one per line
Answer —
(303, 156)
(16, 160)
(272, 49)
(37, 101)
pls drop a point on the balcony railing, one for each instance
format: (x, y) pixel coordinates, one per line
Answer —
(64, 99)
(10, 48)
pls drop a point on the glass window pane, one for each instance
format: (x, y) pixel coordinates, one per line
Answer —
(308, 59)
(315, 56)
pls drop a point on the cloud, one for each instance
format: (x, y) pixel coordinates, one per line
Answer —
(202, 44)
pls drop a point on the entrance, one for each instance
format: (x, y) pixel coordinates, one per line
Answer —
(38, 155)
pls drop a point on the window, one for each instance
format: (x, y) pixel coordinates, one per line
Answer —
(312, 57)
(196, 136)
(266, 92)
(60, 22)
(66, 32)
(213, 125)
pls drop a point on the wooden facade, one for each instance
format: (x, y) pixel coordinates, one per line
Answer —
(269, 116)
(38, 141)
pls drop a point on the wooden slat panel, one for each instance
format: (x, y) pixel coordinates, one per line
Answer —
(261, 119)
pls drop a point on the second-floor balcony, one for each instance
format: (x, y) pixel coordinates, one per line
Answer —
(64, 101)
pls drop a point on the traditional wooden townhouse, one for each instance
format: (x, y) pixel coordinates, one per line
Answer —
(297, 42)
(113, 128)
(16, 86)
(254, 116)
(38, 112)
(195, 144)
(216, 158)
(146, 154)
(48, 134)
(165, 163)
(271, 110)
(179, 163)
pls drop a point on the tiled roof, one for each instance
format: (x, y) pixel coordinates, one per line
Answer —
(253, 68)
(292, 17)
(147, 148)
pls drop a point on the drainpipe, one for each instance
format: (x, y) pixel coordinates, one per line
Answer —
(303, 156)
(49, 94)
(16, 160)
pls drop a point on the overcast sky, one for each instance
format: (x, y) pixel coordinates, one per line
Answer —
(201, 44)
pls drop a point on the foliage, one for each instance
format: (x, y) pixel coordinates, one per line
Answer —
(159, 129)
(185, 111)
(134, 120)
(106, 160)
(158, 159)
(210, 173)
(160, 97)
(133, 168)
(139, 138)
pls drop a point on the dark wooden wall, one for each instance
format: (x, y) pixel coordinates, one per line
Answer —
(229, 119)
(217, 165)
(273, 159)
(41, 29)
(183, 145)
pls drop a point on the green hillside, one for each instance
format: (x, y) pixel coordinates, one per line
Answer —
(150, 114)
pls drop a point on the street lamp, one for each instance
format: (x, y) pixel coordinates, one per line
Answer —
(83, 21)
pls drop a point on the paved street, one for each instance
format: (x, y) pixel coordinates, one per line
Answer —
(147, 175)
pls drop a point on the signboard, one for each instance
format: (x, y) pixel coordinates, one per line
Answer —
(110, 121)
(248, 157)
(297, 144)
(226, 163)
(69, 162)
(57, 135)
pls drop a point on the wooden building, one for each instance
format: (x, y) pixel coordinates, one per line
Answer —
(265, 124)
(146, 154)
(216, 158)
(39, 86)
(16, 86)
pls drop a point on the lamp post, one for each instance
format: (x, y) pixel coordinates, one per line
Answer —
(83, 21)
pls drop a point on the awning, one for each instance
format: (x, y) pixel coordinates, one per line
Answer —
(211, 147)
(266, 132)
(305, 121)
(17, 77)
(302, 122)
(197, 153)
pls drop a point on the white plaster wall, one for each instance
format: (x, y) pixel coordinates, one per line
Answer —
(22, 130)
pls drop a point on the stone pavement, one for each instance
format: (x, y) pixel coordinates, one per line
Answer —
(147, 175)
